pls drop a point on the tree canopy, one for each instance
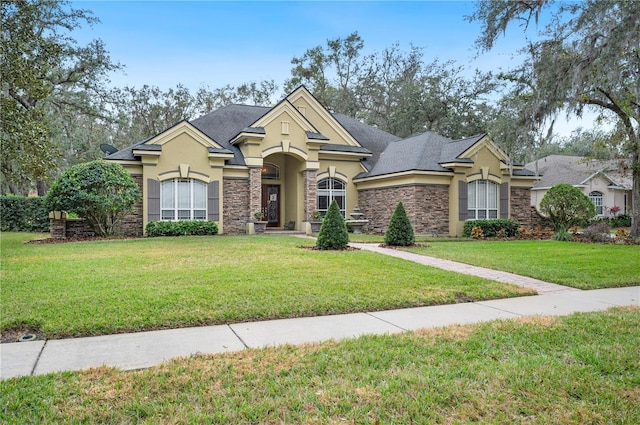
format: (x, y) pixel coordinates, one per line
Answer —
(587, 56)
(44, 71)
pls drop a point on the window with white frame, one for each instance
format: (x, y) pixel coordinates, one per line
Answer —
(482, 200)
(596, 198)
(183, 199)
(328, 190)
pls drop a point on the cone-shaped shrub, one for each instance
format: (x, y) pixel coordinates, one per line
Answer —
(399, 232)
(333, 232)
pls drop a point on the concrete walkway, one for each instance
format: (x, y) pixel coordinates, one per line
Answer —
(505, 277)
(146, 349)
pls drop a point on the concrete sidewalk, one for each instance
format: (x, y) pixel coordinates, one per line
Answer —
(145, 349)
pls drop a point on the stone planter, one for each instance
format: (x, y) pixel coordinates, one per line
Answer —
(260, 226)
(315, 226)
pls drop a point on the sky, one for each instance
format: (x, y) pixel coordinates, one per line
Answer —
(217, 43)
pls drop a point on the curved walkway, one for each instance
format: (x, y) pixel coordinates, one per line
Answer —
(505, 277)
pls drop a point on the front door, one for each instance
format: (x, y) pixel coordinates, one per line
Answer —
(271, 204)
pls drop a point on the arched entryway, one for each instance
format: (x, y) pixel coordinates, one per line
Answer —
(283, 191)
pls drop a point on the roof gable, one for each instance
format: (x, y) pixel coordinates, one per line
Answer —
(302, 96)
(285, 107)
(182, 127)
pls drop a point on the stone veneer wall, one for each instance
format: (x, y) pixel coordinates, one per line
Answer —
(132, 224)
(523, 212)
(427, 207)
(236, 209)
(310, 191)
(255, 192)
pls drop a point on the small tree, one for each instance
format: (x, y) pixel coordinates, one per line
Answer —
(333, 232)
(399, 232)
(101, 192)
(566, 206)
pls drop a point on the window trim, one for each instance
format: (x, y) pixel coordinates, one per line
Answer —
(491, 206)
(597, 198)
(195, 213)
(332, 193)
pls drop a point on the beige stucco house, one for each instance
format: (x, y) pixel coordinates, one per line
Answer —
(601, 181)
(293, 158)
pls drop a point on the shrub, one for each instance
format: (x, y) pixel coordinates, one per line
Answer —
(333, 232)
(101, 192)
(399, 232)
(23, 214)
(566, 206)
(182, 228)
(563, 236)
(622, 236)
(621, 221)
(477, 233)
(490, 228)
(597, 232)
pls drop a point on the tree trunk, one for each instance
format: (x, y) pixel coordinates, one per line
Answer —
(635, 200)
(42, 187)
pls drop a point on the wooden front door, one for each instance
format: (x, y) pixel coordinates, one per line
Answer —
(271, 204)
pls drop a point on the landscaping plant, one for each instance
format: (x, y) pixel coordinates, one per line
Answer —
(399, 232)
(333, 232)
(100, 192)
(566, 206)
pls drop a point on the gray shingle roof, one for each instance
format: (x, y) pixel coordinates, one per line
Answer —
(223, 124)
(574, 170)
(422, 152)
(369, 137)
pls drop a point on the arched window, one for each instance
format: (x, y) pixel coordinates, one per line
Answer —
(270, 171)
(596, 198)
(482, 201)
(328, 190)
(183, 199)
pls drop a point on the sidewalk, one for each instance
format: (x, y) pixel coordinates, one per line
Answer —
(146, 349)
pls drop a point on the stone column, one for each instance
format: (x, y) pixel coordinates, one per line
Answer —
(310, 192)
(255, 191)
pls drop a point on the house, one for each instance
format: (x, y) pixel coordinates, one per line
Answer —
(601, 181)
(293, 158)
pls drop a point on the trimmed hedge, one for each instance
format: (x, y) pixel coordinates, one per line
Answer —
(23, 214)
(491, 227)
(182, 228)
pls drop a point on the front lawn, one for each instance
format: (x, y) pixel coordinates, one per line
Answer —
(104, 287)
(579, 369)
(581, 265)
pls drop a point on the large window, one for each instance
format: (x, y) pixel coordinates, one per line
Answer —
(482, 199)
(183, 199)
(328, 190)
(596, 198)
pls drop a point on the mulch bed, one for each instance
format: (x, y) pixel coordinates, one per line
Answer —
(315, 248)
(47, 241)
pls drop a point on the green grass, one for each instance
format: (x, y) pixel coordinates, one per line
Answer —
(579, 369)
(105, 287)
(580, 265)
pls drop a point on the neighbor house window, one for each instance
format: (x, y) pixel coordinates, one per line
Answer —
(328, 190)
(596, 198)
(482, 200)
(183, 199)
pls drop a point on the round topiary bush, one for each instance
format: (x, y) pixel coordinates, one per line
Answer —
(399, 232)
(566, 206)
(333, 233)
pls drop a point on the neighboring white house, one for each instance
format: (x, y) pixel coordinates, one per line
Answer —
(601, 181)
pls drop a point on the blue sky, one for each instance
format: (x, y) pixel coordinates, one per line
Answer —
(216, 43)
